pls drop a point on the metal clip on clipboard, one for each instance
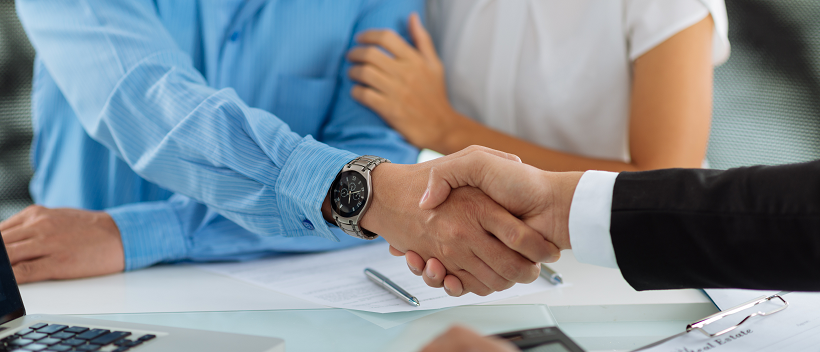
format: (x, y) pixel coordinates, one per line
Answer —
(698, 325)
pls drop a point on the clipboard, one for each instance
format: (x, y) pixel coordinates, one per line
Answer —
(702, 323)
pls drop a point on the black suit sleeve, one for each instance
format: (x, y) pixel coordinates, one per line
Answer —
(754, 227)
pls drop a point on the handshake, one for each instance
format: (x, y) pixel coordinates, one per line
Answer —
(476, 221)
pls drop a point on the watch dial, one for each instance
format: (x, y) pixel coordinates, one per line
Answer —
(349, 193)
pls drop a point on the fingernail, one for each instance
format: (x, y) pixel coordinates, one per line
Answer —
(430, 273)
(413, 269)
(425, 195)
(446, 289)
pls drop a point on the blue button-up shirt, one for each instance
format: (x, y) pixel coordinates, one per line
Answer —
(209, 130)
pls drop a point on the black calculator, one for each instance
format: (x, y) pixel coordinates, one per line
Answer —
(548, 339)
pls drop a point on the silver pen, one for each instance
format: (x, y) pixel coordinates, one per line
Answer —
(551, 276)
(388, 285)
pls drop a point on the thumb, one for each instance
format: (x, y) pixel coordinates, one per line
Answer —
(421, 38)
(463, 168)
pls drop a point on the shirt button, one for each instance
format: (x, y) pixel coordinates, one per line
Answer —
(234, 36)
(307, 224)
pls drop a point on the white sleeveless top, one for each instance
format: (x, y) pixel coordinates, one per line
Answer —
(558, 73)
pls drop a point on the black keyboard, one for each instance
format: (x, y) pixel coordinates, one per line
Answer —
(60, 338)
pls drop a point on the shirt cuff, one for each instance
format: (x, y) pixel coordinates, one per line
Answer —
(589, 218)
(151, 233)
(303, 184)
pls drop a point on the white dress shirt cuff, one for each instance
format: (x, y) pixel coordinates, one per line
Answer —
(589, 218)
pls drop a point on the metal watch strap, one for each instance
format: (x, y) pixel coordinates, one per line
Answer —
(367, 163)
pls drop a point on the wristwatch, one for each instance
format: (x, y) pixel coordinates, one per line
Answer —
(350, 195)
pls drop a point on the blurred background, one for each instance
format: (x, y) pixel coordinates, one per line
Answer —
(766, 99)
(16, 56)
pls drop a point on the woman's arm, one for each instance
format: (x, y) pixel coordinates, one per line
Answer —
(669, 121)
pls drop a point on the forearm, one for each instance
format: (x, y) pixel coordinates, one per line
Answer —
(712, 228)
(470, 133)
(136, 93)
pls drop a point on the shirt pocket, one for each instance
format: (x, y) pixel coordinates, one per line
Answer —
(304, 102)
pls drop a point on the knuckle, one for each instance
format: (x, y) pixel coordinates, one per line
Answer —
(24, 269)
(448, 252)
(512, 271)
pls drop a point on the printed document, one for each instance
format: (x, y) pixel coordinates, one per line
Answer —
(796, 328)
(337, 279)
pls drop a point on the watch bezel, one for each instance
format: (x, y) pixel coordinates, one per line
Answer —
(337, 184)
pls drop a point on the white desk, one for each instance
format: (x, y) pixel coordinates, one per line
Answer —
(599, 309)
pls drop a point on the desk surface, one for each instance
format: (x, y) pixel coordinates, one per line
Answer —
(598, 309)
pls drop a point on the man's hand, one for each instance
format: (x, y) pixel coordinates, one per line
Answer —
(45, 244)
(475, 239)
(541, 199)
(462, 339)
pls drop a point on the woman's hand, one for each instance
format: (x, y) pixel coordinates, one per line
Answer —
(408, 89)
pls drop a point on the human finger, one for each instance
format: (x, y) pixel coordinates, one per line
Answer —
(373, 56)
(25, 250)
(371, 98)
(18, 234)
(389, 40)
(519, 237)
(434, 273)
(15, 220)
(370, 76)
(504, 260)
(33, 270)
(464, 168)
(421, 38)
(462, 339)
(395, 251)
(490, 279)
(469, 284)
(414, 262)
(452, 284)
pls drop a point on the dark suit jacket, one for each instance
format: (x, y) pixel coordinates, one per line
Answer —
(753, 227)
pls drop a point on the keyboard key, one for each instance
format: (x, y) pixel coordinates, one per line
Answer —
(110, 337)
(35, 336)
(36, 347)
(146, 337)
(38, 326)
(24, 332)
(20, 342)
(122, 349)
(51, 329)
(88, 348)
(60, 348)
(62, 335)
(73, 342)
(123, 342)
(49, 341)
(92, 334)
(76, 329)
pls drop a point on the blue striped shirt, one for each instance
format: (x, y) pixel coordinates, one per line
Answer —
(208, 129)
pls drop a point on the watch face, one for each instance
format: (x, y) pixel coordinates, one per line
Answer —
(349, 194)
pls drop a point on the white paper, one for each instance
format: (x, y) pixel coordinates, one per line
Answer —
(797, 328)
(159, 289)
(727, 298)
(336, 279)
